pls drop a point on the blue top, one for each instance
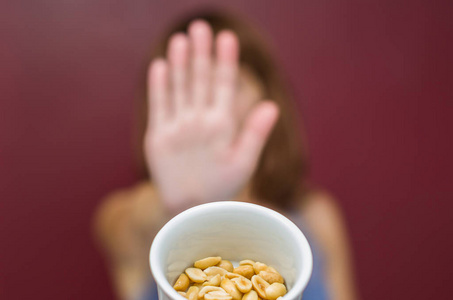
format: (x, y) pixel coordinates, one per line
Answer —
(316, 288)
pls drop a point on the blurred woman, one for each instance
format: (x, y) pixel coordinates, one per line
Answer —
(220, 125)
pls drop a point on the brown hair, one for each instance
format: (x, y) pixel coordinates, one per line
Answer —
(279, 177)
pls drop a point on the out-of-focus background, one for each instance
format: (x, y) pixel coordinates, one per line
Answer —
(373, 81)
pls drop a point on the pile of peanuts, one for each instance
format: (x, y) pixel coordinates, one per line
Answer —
(212, 278)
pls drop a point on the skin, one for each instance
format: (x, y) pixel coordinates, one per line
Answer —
(207, 127)
(193, 141)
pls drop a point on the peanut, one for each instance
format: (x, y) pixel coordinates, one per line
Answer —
(230, 275)
(213, 280)
(192, 293)
(275, 290)
(226, 264)
(217, 295)
(258, 267)
(208, 289)
(231, 289)
(276, 272)
(259, 285)
(212, 271)
(271, 277)
(182, 283)
(243, 284)
(252, 295)
(245, 270)
(207, 262)
(196, 275)
(246, 262)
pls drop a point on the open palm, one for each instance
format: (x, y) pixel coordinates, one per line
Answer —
(194, 148)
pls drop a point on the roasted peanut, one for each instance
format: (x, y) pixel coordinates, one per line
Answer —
(212, 271)
(213, 280)
(276, 272)
(258, 267)
(192, 293)
(231, 288)
(208, 289)
(182, 283)
(272, 269)
(246, 262)
(275, 290)
(245, 270)
(259, 285)
(226, 264)
(243, 284)
(196, 275)
(252, 295)
(271, 277)
(198, 284)
(230, 275)
(207, 262)
(218, 295)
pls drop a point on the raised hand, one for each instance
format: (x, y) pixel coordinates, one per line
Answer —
(195, 149)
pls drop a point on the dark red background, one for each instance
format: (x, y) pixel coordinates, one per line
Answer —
(374, 84)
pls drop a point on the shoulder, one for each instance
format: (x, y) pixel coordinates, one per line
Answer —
(325, 219)
(122, 209)
(321, 207)
(323, 215)
(123, 226)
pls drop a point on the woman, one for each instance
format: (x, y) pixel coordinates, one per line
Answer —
(220, 126)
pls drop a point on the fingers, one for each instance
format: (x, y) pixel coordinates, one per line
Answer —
(157, 92)
(178, 59)
(255, 132)
(200, 35)
(227, 54)
(170, 95)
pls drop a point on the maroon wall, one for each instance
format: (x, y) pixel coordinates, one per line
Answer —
(374, 84)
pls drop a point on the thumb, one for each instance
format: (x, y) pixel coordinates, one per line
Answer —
(255, 132)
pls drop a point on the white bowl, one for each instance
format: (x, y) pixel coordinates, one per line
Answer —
(234, 231)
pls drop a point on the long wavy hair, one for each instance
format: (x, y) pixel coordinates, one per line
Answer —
(280, 177)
